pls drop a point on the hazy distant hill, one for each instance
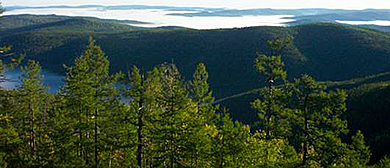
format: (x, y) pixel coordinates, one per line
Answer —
(306, 15)
(318, 14)
(115, 7)
(364, 15)
(21, 23)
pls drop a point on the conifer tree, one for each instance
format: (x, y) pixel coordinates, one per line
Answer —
(359, 154)
(202, 125)
(89, 87)
(142, 93)
(170, 128)
(10, 144)
(317, 125)
(34, 95)
(270, 108)
(200, 88)
(229, 141)
(138, 103)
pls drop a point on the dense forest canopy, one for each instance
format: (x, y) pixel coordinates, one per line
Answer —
(169, 122)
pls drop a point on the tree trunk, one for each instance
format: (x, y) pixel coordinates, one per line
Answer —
(32, 131)
(268, 113)
(304, 161)
(96, 139)
(80, 137)
(140, 144)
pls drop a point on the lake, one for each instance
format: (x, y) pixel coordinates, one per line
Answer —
(52, 80)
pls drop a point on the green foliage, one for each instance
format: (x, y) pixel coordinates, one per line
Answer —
(200, 85)
(384, 162)
(165, 121)
(91, 98)
(324, 51)
(271, 109)
(270, 66)
(360, 154)
(316, 122)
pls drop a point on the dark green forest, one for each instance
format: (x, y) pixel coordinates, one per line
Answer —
(153, 103)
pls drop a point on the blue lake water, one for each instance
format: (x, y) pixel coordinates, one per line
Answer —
(52, 80)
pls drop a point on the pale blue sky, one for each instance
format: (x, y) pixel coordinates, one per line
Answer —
(289, 4)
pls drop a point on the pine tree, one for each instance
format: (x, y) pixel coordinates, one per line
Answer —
(138, 103)
(270, 108)
(317, 125)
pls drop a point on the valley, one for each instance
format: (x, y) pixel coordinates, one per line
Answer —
(343, 57)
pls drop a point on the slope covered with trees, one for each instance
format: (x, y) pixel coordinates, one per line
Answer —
(168, 122)
(173, 120)
(325, 51)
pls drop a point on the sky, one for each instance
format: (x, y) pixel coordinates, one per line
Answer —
(237, 4)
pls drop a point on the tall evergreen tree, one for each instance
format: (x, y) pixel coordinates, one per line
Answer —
(271, 67)
(34, 95)
(88, 88)
(173, 126)
(142, 93)
(317, 125)
(203, 123)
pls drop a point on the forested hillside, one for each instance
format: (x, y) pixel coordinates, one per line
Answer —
(157, 119)
(165, 115)
(325, 51)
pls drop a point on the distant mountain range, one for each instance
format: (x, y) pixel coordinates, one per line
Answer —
(117, 7)
(300, 16)
(199, 11)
